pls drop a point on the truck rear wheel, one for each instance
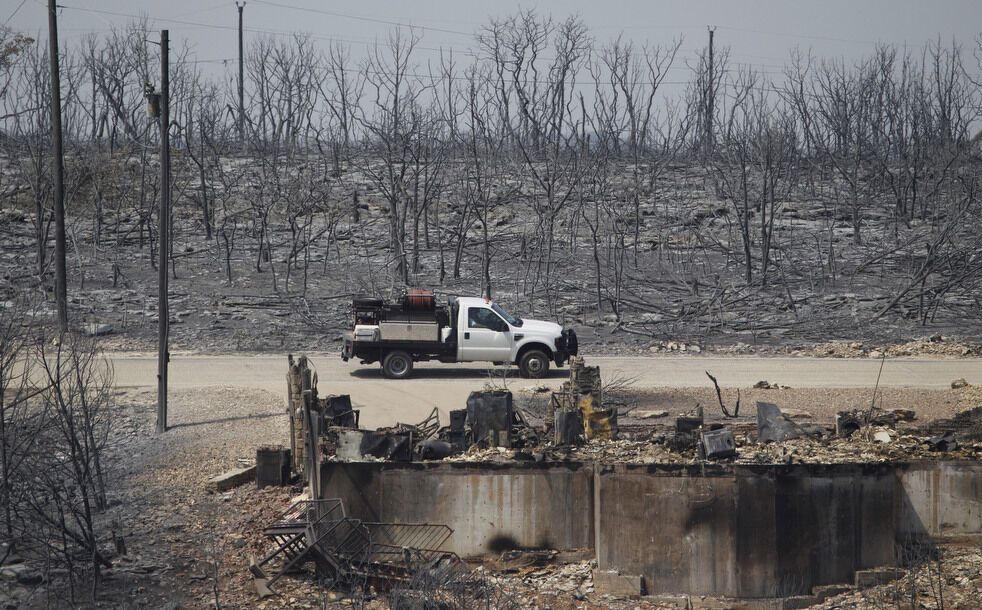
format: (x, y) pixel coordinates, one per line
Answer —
(397, 365)
(533, 364)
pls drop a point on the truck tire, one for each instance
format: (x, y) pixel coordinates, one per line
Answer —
(397, 365)
(534, 364)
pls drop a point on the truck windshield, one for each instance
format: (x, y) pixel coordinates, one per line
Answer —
(507, 316)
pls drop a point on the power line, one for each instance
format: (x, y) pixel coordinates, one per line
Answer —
(14, 14)
(360, 18)
(805, 36)
(252, 30)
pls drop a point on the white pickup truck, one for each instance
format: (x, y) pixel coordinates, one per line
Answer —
(416, 329)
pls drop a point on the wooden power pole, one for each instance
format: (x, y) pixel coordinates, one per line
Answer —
(58, 162)
(710, 93)
(240, 6)
(163, 311)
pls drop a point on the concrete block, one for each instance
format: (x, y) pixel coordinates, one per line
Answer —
(232, 478)
(877, 576)
(676, 602)
(723, 603)
(798, 602)
(824, 592)
(610, 582)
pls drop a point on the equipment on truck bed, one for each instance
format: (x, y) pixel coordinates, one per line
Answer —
(416, 328)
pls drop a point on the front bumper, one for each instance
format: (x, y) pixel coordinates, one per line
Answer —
(567, 346)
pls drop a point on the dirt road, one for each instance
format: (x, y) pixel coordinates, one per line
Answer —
(383, 402)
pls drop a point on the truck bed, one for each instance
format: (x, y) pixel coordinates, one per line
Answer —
(374, 351)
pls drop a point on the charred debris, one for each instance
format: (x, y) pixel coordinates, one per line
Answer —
(578, 422)
(406, 562)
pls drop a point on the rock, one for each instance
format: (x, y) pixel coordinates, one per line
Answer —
(649, 414)
(695, 349)
(10, 572)
(610, 582)
(882, 436)
(875, 354)
(97, 330)
(959, 384)
(22, 573)
(766, 385)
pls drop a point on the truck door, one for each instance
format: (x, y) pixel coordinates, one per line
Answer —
(485, 336)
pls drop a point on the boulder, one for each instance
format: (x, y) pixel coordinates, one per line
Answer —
(94, 329)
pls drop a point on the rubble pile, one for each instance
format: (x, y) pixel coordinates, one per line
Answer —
(950, 579)
(877, 440)
(808, 450)
(578, 426)
(935, 345)
(484, 430)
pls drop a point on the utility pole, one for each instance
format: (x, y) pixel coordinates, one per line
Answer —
(241, 6)
(163, 311)
(710, 93)
(58, 162)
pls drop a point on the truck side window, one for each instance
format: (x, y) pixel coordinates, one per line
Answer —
(479, 317)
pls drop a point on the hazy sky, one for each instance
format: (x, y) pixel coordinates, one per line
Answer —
(757, 32)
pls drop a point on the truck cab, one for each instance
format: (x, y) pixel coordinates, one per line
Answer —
(489, 333)
(467, 329)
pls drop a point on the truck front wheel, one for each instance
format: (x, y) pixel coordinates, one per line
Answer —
(533, 364)
(397, 365)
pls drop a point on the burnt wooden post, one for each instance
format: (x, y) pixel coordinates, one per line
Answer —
(305, 396)
(290, 407)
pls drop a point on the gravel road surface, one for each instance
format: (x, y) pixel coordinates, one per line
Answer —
(383, 401)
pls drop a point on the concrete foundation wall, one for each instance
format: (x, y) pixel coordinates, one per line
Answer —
(740, 531)
(490, 509)
(940, 500)
(744, 531)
